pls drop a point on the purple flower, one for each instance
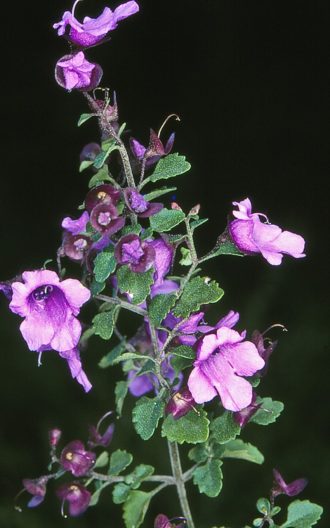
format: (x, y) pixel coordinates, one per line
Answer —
(222, 358)
(281, 487)
(164, 254)
(138, 255)
(50, 308)
(253, 236)
(37, 488)
(75, 366)
(156, 149)
(162, 521)
(180, 404)
(76, 459)
(96, 438)
(187, 330)
(138, 205)
(75, 246)
(54, 436)
(76, 495)
(243, 417)
(89, 152)
(106, 220)
(265, 350)
(75, 72)
(102, 194)
(76, 226)
(93, 30)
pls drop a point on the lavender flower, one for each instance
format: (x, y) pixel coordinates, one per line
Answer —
(37, 488)
(222, 359)
(96, 438)
(155, 150)
(253, 236)
(137, 254)
(106, 220)
(77, 496)
(138, 205)
(281, 487)
(75, 366)
(93, 31)
(75, 72)
(76, 459)
(75, 246)
(76, 226)
(50, 308)
(164, 254)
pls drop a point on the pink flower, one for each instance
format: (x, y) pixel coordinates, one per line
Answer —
(75, 72)
(251, 235)
(222, 359)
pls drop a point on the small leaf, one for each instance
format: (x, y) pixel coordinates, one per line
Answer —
(186, 257)
(192, 428)
(199, 453)
(135, 284)
(146, 415)
(241, 450)
(103, 323)
(129, 356)
(197, 291)
(83, 118)
(224, 428)
(102, 460)
(140, 473)
(198, 223)
(101, 176)
(166, 220)
(184, 351)
(135, 508)
(120, 492)
(263, 506)
(107, 148)
(104, 265)
(97, 493)
(97, 287)
(84, 165)
(225, 248)
(109, 359)
(169, 167)
(159, 307)
(158, 192)
(119, 461)
(302, 514)
(149, 366)
(269, 411)
(131, 229)
(208, 478)
(120, 393)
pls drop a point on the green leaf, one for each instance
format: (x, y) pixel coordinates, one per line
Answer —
(103, 323)
(180, 363)
(146, 415)
(83, 118)
(120, 492)
(107, 148)
(197, 223)
(225, 248)
(159, 308)
(104, 265)
(302, 514)
(101, 176)
(169, 167)
(208, 478)
(97, 493)
(102, 460)
(197, 291)
(135, 508)
(140, 473)
(136, 284)
(131, 229)
(184, 351)
(109, 359)
(241, 450)
(127, 356)
(186, 257)
(224, 428)
(119, 461)
(199, 453)
(158, 192)
(263, 506)
(166, 220)
(120, 393)
(83, 166)
(149, 366)
(97, 287)
(192, 428)
(269, 411)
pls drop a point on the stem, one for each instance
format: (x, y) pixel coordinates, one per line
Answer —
(165, 479)
(123, 304)
(179, 482)
(158, 356)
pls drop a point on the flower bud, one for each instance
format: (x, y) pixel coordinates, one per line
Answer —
(54, 436)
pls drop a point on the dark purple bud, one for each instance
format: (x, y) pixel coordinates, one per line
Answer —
(138, 205)
(180, 404)
(110, 112)
(265, 348)
(77, 496)
(138, 255)
(170, 143)
(6, 289)
(76, 459)
(162, 521)
(282, 488)
(98, 439)
(105, 219)
(243, 416)
(75, 246)
(155, 147)
(37, 488)
(73, 71)
(89, 152)
(54, 436)
(101, 195)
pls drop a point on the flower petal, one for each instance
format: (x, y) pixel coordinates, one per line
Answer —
(76, 294)
(200, 387)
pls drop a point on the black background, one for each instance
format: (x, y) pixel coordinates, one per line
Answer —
(250, 83)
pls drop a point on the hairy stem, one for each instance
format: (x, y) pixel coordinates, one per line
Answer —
(165, 479)
(123, 304)
(179, 482)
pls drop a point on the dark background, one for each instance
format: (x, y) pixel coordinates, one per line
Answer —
(250, 83)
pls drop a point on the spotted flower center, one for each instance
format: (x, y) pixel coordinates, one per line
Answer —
(104, 218)
(42, 293)
(80, 244)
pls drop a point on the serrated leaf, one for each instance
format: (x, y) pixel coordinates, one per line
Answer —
(192, 428)
(158, 192)
(120, 394)
(131, 229)
(184, 351)
(136, 284)
(97, 287)
(109, 359)
(102, 460)
(159, 307)
(169, 167)
(119, 461)
(101, 176)
(104, 265)
(197, 291)
(140, 473)
(120, 492)
(208, 478)
(127, 356)
(149, 366)
(166, 220)
(186, 257)
(302, 514)
(146, 415)
(83, 118)
(224, 428)
(135, 508)
(269, 411)
(199, 453)
(241, 450)
(103, 323)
